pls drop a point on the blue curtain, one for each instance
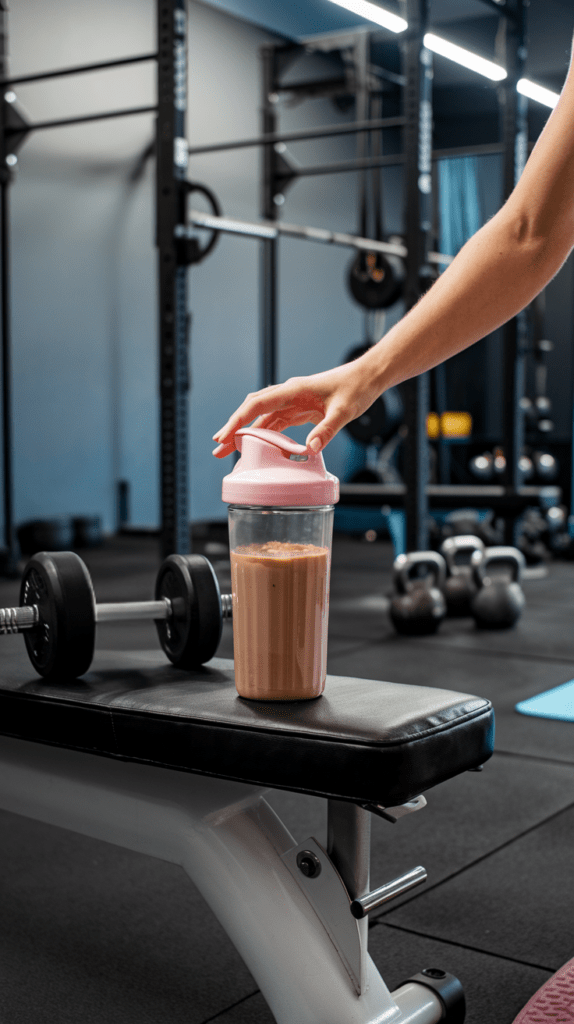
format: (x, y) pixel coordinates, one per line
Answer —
(459, 205)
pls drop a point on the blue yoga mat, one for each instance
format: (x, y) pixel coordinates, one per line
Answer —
(556, 703)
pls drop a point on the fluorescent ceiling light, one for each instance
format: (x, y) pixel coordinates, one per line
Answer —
(461, 56)
(537, 92)
(458, 54)
(372, 12)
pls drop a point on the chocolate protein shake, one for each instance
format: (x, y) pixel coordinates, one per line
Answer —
(281, 508)
(280, 619)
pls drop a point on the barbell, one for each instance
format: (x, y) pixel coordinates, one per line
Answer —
(58, 612)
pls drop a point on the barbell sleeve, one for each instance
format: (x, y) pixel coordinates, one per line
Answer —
(362, 906)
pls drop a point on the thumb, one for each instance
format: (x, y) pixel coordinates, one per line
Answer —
(325, 431)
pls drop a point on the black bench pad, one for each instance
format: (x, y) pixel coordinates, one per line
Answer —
(361, 740)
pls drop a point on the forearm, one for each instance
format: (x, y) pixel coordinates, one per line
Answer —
(493, 277)
(500, 269)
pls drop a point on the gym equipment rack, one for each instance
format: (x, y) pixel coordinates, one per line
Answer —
(171, 150)
(172, 158)
(417, 157)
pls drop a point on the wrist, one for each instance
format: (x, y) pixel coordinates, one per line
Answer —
(378, 365)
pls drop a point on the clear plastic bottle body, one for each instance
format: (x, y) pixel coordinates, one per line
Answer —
(280, 573)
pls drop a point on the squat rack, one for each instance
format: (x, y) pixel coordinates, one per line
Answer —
(172, 158)
(173, 259)
(171, 151)
(417, 157)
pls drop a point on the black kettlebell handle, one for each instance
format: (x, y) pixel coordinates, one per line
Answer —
(404, 565)
(509, 556)
(463, 543)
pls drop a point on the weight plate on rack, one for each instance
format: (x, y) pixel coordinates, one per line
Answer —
(376, 280)
(190, 637)
(62, 644)
(383, 418)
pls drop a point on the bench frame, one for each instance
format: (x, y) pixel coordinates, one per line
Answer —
(296, 934)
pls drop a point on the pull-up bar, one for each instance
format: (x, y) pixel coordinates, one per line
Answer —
(273, 229)
(85, 119)
(323, 131)
(78, 69)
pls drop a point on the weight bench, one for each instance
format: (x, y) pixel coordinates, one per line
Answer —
(175, 764)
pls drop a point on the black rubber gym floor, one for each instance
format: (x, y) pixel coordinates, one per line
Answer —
(91, 933)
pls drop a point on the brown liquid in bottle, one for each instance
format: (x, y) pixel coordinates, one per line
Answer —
(280, 619)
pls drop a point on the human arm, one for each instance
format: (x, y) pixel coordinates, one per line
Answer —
(495, 275)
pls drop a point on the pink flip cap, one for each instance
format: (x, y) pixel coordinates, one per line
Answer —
(274, 470)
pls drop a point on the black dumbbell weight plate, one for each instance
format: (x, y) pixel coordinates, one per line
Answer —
(62, 644)
(190, 637)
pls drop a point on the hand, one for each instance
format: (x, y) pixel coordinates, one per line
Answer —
(329, 399)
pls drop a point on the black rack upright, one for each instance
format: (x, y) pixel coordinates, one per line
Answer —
(172, 156)
(514, 130)
(268, 251)
(5, 366)
(417, 146)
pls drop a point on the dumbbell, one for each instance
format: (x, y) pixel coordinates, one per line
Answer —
(58, 612)
(460, 586)
(419, 606)
(500, 599)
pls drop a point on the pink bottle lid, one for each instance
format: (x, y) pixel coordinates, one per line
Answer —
(274, 470)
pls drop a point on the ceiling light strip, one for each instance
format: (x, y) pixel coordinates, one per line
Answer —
(458, 54)
(372, 12)
(464, 57)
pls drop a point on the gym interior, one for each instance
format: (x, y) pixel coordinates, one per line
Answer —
(200, 199)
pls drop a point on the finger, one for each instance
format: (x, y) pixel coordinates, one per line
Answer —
(222, 450)
(271, 422)
(255, 406)
(272, 399)
(325, 431)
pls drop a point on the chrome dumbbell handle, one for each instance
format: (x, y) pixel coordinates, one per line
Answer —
(362, 906)
(162, 609)
(17, 620)
(130, 610)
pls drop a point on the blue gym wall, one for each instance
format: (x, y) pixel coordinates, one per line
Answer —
(83, 261)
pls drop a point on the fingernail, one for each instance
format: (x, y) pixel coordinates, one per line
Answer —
(315, 444)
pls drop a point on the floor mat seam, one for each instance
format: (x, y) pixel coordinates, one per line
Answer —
(232, 1006)
(535, 757)
(474, 949)
(472, 650)
(478, 860)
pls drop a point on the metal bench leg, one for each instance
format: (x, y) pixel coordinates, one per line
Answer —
(242, 859)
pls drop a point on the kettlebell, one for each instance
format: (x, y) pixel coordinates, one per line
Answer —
(500, 599)
(460, 585)
(418, 607)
